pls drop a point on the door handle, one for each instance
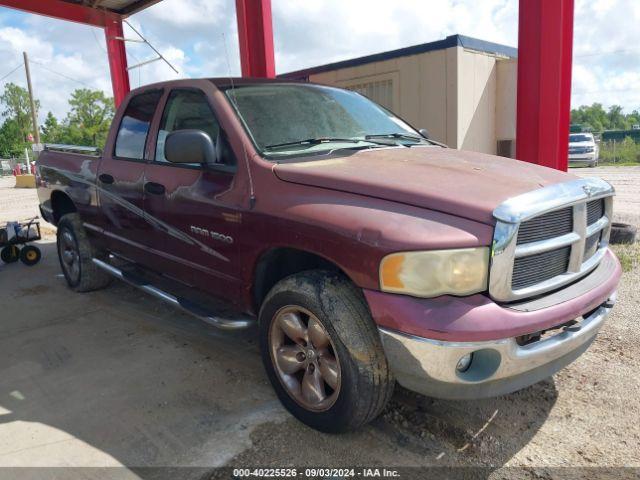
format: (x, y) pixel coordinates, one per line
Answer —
(154, 188)
(106, 178)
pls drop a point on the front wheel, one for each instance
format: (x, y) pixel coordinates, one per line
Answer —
(323, 353)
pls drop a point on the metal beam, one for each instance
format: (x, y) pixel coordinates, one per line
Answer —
(117, 59)
(255, 32)
(545, 49)
(61, 10)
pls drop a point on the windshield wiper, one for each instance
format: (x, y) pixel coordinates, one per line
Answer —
(314, 141)
(406, 136)
(402, 136)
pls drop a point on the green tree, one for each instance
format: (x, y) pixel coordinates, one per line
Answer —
(12, 143)
(52, 131)
(617, 120)
(89, 119)
(595, 118)
(17, 107)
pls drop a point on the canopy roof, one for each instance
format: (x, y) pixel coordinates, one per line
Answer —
(121, 7)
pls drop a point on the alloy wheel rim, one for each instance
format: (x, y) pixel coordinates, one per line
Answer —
(304, 358)
(70, 256)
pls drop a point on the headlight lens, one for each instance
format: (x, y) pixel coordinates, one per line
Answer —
(429, 274)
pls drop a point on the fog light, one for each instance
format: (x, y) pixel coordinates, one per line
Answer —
(464, 362)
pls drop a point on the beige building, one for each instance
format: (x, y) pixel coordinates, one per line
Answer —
(461, 89)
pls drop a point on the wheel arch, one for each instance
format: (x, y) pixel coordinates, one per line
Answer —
(278, 263)
(61, 204)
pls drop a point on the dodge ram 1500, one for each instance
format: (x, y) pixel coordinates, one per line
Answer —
(366, 253)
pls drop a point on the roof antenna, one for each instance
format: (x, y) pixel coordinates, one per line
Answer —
(252, 193)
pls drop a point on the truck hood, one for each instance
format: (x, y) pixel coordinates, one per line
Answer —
(466, 184)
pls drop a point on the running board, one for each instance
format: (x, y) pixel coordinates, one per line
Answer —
(183, 304)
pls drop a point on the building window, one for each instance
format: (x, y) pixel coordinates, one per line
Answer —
(379, 91)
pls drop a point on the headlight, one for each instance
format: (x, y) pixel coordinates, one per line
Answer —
(429, 274)
(589, 149)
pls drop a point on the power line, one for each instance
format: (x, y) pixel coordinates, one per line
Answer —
(63, 75)
(12, 71)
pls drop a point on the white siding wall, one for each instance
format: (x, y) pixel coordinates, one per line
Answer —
(463, 98)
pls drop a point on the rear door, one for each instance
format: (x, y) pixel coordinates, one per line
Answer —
(121, 179)
(187, 204)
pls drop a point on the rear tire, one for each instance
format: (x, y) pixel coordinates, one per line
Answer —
(76, 255)
(328, 307)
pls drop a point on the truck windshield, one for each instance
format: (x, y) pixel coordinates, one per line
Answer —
(295, 119)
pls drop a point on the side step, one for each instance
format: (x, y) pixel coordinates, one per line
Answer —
(222, 323)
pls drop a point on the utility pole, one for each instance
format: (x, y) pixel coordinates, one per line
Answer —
(34, 113)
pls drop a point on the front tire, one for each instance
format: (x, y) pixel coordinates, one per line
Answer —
(76, 255)
(322, 352)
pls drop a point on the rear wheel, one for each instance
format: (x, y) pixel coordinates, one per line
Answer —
(323, 353)
(30, 255)
(76, 256)
(10, 254)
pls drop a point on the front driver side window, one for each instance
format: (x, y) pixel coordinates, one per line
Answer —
(186, 109)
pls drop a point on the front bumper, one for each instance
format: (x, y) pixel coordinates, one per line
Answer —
(497, 367)
(425, 338)
(583, 157)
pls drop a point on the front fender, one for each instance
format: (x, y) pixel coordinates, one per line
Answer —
(355, 232)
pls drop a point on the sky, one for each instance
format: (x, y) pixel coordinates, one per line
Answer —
(199, 37)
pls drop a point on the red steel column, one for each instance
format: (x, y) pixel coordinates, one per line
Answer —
(117, 59)
(545, 48)
(255, 31)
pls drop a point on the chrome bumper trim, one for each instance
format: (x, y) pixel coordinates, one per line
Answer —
(429, 366)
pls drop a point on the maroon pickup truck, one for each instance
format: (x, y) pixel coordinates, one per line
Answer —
(365, 252)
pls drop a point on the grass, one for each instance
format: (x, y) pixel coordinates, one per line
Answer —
(618, 164)
(629, 256)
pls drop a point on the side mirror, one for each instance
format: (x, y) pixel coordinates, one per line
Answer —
(424, 133)
(189, 146)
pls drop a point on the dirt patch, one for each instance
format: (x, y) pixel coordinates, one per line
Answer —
(30, 291)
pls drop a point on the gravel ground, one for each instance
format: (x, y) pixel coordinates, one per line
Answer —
(130, 382)
(626, 181)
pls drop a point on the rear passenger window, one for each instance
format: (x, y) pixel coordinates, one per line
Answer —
(186, 109)
(132, 134)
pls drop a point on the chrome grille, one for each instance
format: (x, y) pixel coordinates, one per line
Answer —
(595, 211)
(591, 246)
(549, 225)
(580, 149)
(528, 271)
(549, 237)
